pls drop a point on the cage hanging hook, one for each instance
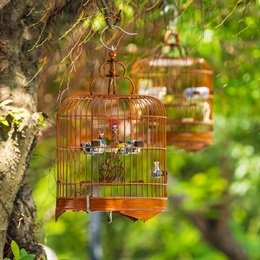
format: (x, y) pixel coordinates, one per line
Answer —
(109, 217)
(173, 7)
(112, 48)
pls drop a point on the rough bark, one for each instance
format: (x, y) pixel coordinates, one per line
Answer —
(21, 223)
(3, 3)
(17, 83)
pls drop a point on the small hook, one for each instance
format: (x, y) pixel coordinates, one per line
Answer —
(175, 12)
(112, 48)
(109, 217)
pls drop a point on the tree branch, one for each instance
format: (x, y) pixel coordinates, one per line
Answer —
(217, 233)
(106, 12)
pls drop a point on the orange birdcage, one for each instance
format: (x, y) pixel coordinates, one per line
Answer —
(185, 86)
(111, 151)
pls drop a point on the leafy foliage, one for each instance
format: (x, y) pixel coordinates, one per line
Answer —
(20, 254)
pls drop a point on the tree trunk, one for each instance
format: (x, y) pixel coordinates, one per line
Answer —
(21, 224)
(19, 131)
(22, 31)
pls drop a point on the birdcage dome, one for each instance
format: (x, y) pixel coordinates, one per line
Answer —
(185, 86)
(111, 154)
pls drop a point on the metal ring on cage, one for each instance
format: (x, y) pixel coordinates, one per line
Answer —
(108, 63)
(132, 86)
(176, 43)
(112, 48)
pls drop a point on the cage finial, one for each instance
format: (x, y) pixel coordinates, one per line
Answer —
(112, 62)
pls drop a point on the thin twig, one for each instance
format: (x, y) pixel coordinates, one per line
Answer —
(185, 8)
(118, 17)
(242, 30)
(239, 1)
(106, 12)
(153, 6)
(39, 70)
(73, 48)
(74, 25)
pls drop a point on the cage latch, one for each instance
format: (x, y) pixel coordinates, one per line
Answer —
(88, 203)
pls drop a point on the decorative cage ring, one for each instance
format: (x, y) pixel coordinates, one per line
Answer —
(172, 39)
(112, 48)
(108, 63)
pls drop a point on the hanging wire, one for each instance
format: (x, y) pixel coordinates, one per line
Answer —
(112, 48)
(169, 7)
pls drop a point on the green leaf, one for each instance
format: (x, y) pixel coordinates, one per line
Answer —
(15, 250)
(4, 121)
(23, 252)
(43, 257)
(28, 257)
(41, 120)
(7, 258)
(6, 102)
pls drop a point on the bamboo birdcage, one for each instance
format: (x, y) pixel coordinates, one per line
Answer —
(111, 151)
(185, 86)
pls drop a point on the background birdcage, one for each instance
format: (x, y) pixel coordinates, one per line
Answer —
(111, 152)
(185, 86)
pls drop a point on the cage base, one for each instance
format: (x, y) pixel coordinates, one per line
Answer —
(131, 207)
(190, 141)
